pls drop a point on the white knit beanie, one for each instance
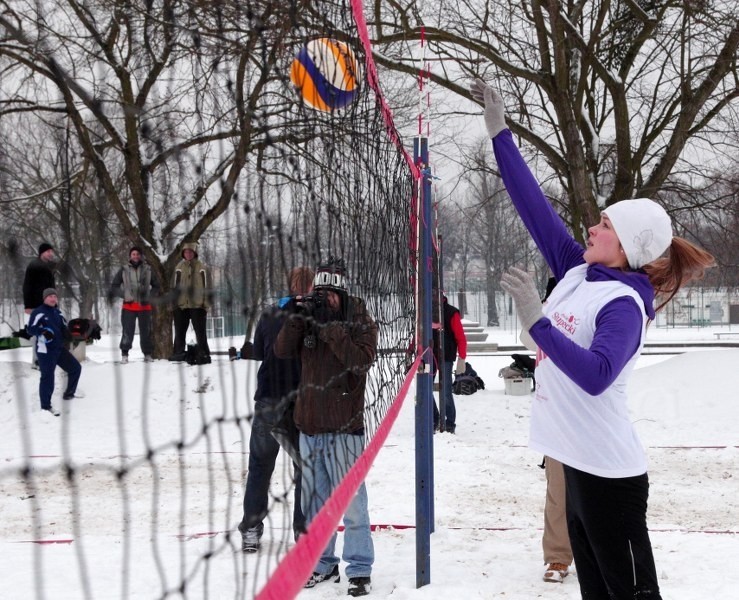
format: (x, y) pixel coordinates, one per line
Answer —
(643, 228)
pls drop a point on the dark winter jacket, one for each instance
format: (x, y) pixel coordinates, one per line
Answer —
(49, 319)
(39, 276)
(136, 283)
(334, 370)
(277, 378)
(453, 335)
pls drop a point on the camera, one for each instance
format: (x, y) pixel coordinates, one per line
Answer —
(309, 304)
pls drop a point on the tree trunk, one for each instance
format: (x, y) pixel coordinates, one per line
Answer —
(162, 330)
(493, 320)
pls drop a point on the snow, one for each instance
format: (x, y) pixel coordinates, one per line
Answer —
(164, 435)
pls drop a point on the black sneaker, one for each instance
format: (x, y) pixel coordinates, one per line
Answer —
(359, 586)
(178, 357)
(52, 410)
(250, 540)
(317, 578)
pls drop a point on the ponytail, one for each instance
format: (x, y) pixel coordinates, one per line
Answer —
(684, 263)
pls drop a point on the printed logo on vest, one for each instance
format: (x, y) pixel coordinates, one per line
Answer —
(566, 323)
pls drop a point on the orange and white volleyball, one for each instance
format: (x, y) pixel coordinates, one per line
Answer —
(326, 74)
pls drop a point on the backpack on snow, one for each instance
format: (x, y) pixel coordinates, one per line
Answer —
(193, 356)
(468, 382)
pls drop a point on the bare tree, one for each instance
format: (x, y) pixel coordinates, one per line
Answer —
(166, 103)
(494, 230)
(623, 98)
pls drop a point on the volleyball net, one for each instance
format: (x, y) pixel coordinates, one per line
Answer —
(138, 488)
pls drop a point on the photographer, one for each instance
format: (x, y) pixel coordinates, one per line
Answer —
(336, 341)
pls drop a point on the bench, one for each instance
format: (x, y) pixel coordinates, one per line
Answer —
(721, 334)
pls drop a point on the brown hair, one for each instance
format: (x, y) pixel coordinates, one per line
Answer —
(300, 280)
(684, 263)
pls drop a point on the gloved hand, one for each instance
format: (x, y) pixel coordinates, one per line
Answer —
(461, 366)
(48, 333)
(306, 305)
(520, 285)
(233, 354)
(494, 108)
(247, 351)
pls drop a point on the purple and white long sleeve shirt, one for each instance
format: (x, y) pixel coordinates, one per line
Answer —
(588, 342)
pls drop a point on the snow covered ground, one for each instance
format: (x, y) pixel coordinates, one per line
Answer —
(157, 460)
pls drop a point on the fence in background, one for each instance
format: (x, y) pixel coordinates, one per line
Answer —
(692, 307)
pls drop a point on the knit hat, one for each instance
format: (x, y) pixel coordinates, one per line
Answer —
(49, 292)
(331, 275)
(190, 246)
(44, 247)
(136, 248)
(643, 228)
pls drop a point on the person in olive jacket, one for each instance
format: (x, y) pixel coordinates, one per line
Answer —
(192, 283)
(336, 340)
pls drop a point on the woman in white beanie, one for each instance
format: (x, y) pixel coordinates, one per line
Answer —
(589, 335)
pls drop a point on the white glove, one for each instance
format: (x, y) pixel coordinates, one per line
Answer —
(494, 108)
(520, 285)
(461, 366)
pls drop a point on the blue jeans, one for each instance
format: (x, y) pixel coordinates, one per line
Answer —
(447, 378)
(327, 458)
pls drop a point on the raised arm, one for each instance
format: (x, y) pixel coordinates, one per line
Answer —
(547, 229)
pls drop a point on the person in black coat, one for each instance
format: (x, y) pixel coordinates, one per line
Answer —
(38, 277)
(274, 401)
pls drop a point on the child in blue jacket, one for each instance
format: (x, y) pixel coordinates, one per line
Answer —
(50, 328)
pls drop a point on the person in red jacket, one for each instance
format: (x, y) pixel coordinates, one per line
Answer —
(455, 344)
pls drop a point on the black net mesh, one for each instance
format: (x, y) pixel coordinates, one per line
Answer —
(172, 123)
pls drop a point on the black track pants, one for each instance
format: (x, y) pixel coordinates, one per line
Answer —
(607, 522)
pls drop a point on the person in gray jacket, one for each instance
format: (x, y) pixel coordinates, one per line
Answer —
(137, 284)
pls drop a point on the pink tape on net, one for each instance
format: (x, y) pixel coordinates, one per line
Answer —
(295, 569)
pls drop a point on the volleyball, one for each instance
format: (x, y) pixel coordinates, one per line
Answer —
(326, 74)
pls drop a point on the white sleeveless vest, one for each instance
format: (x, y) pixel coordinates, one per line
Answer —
(591, 433)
